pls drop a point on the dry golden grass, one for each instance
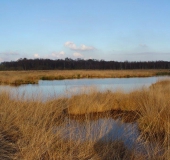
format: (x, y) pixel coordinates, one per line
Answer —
(27, 132)
(27, 127)
(154, 107)
(101, 102)
(32, 77)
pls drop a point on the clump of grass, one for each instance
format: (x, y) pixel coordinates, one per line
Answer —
(154, 109)
(95, 102)
(7, 149)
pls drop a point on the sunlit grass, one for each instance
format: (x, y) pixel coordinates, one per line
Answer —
(27, 126)
(32, 77)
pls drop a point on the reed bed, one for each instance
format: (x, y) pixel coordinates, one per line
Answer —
(27, 127)
(32, 77)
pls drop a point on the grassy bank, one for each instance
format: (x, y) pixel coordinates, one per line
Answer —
(32, 77)
(27, 127)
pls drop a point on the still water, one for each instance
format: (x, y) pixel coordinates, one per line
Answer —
(51, 89)
(100, 130)
(104, 130)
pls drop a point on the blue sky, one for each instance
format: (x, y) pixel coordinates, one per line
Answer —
(133, 30)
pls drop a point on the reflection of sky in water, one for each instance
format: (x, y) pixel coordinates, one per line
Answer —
(105, 130)
(47, 89)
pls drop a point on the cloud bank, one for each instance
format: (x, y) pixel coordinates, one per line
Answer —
(73, 46)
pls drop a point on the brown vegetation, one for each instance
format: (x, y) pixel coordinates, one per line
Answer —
(32, 77)
(27, 127)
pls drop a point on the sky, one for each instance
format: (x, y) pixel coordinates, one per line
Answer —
(118, 30)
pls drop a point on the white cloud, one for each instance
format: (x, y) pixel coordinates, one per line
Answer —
(36, 55)
(77, 55)
(73, 46)
(85, 48)
(62, 53)
(58, 54)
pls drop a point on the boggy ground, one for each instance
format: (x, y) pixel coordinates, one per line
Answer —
(32, 77)
(27, 127)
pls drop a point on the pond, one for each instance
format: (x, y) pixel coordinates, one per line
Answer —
(52, 89)
(104, 129)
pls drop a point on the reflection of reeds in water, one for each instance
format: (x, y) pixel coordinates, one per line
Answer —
(125, 116)
(27, 128)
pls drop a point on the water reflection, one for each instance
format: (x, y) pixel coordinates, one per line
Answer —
(125, 116)
(52, 89)
(114, 129)
(103, 127)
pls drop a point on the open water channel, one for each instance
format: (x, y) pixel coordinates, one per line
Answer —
(52, 89)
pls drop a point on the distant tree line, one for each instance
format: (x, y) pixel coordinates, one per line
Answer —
(70, 64)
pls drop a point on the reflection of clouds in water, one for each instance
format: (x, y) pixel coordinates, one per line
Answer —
(72, 90)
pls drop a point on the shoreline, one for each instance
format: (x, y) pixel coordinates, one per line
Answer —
(17, 78)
